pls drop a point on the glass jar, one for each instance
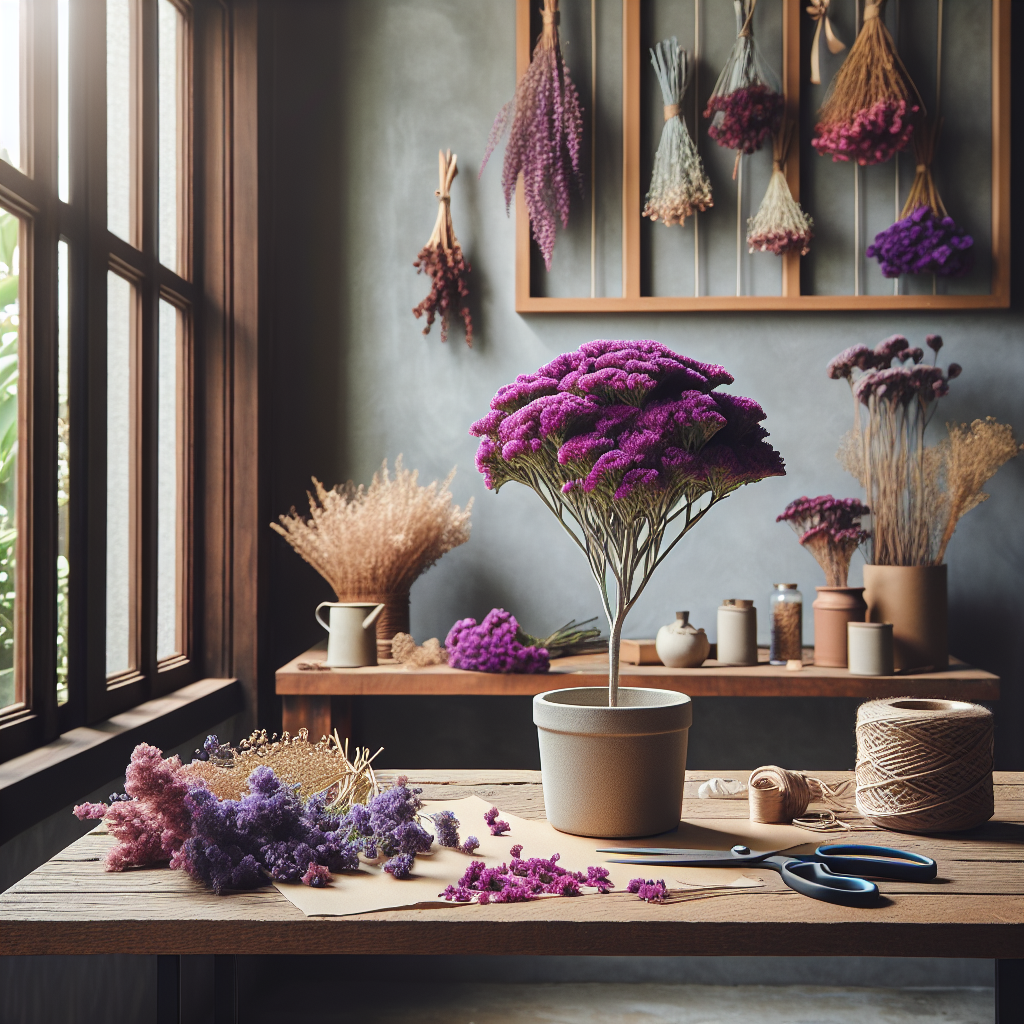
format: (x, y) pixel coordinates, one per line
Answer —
(785, 617)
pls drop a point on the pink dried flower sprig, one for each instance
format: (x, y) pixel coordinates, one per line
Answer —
(830, 529)
(544, 123)
(649, 890)
(871, 137)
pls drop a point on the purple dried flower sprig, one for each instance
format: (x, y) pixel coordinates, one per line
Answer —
(544, 123)
(830, 529)
(491, 646)
(649, 890)
(923, 242)
(494, 823)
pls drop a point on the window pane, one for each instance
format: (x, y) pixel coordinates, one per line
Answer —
(63, 80)
(120, 478)
(63, 470)
(120, 136)
(8, 452)
(10, 81)
(170, 131)
(168, 500)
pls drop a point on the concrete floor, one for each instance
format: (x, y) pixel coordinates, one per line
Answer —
(613, 1003)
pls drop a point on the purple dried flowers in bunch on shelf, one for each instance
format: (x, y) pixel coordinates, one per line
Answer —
(746, 105)
(870, 108)
(780, 224)
(649, 890)
(623, 439)
(544, 123)
(830, 529)
(491, 646)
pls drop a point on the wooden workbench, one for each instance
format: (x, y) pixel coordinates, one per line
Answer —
(307, 694)
(974, 908)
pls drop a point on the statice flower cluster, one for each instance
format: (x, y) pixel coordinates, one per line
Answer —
(544, 123)
(649, 890)
(446, 826)
(491, 646)
(746, 117)
(495, 824)
(871, 136)
(213, 750)
(521, 880)
(830, 529)
(923, 242)
(780, 224)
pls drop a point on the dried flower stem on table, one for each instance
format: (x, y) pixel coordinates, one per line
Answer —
(442, 259)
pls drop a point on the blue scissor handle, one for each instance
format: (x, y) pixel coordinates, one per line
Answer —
(878, 862)
(818, 882)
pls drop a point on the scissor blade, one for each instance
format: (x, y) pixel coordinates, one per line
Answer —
(727, 861)
(669, 851)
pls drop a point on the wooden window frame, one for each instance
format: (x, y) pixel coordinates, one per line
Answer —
(632, 301)
(220, 544)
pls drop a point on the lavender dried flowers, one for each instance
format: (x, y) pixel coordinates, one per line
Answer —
(869, 110)
(649, 890)
(495, 824)
(544, 123)
(622, 440)
(492, 646)
(746, 105)
(925, 240)
(679, 185)
(446, 825)
(780, 225)
(442, 259)
(830, 529)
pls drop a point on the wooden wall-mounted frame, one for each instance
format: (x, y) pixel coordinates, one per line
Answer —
(632, 299)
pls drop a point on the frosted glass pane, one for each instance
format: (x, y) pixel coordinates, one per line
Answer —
(63, 470)
(119, 104)
(119, 475)
(169, 132)
(9, 325)
(167, 532)
(63, 84)
(10, 81)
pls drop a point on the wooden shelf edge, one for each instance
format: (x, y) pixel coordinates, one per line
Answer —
(758, 303)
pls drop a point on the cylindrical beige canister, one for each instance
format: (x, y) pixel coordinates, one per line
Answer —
(870, 648)
(737, 632)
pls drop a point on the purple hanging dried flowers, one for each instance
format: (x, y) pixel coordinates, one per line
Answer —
(492, 646)
(780, 224)
(544, 123)
(441, 258)
(830, 529)
(746, 105)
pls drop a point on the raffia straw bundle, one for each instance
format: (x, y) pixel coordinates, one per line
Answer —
(778, 796)
(924, 765)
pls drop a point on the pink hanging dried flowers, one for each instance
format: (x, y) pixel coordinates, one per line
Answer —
(544, 123)
(780, 224)
(746, 105)
(441, 258)
(871, 105)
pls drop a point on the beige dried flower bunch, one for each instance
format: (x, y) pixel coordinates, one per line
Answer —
(374, 541)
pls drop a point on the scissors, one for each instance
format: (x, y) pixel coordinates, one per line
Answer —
(831, 873)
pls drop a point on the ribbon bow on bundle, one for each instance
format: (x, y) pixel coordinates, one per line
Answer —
(818, 10)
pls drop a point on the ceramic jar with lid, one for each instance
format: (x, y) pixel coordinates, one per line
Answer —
(682, 645)
(737, 632)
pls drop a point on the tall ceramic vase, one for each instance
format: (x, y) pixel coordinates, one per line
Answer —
(914, 599)
(834, 607)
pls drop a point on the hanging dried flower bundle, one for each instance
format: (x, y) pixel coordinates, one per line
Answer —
(442, 259)
(544, 123)
(925, 240)
(869, 111)
(679, 185)
(746, 105)
(780, 224)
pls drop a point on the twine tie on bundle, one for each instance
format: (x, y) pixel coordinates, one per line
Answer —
(818, 11)
(924, 765)
(778, 796)
(671, 110)
(872, 11)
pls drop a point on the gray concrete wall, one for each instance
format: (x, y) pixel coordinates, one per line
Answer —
(360, 97)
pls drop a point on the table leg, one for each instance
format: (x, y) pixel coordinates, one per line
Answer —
(1009, 991)
(306, 711)
(225, 990)
(168, 990)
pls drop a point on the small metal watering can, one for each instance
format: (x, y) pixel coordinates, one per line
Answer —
(352, 639)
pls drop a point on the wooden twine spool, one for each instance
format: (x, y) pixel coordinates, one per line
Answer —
(778, 796)
(394, 619)
(924, 765)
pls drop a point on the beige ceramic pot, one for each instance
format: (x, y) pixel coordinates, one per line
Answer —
(612, 772)
(834, 607)
(394, 619)
(913, 598)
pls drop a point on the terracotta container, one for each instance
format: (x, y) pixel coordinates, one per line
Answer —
(394, 619)
(612, 772)
(834, 607)
(913, 598)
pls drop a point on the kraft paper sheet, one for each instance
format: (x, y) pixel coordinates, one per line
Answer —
(371, 889)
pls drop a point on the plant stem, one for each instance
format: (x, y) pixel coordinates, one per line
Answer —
(615, 634)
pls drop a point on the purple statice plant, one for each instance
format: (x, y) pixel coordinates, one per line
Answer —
(630, 445)
(494, 823)
(446, 825)
(544, 124)
(521, 880)
(491, 646)
(895, 394)
(830, 529)
(923, 242)
(649, 890)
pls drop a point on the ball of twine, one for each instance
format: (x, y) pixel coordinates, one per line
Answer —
(924, 765)
(779, 795)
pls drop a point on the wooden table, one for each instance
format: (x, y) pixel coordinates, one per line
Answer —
(308, 696)
(975, 908)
